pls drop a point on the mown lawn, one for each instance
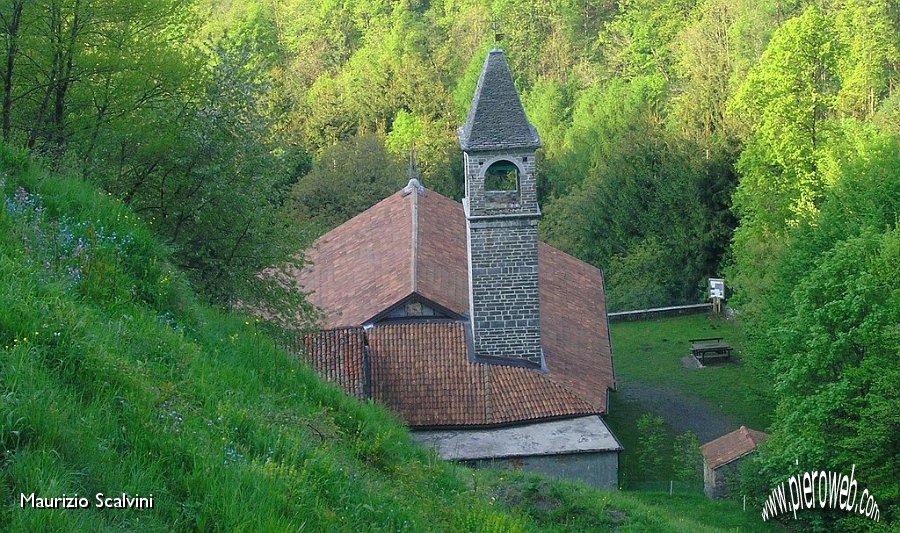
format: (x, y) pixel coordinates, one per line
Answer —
(650, 352)
(648, 363)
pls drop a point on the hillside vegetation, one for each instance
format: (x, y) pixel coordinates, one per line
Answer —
(682, 139)
(115, 378)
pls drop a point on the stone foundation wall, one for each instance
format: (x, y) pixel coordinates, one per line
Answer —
(598, 469)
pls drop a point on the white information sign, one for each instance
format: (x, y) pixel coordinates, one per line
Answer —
(717, 288)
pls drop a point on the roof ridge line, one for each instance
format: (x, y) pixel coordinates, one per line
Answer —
(414, 256)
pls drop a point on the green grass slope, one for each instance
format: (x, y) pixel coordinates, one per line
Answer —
(114, 378)
(649, 353)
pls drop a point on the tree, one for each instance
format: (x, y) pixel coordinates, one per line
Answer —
(719, 44)
(71, 66)
(11, 20)
(212, 182)
(640, 212)
(651, 442)
(688, 462)
(639, 41)
(825, 323)
(635, 279)
(787, 99)
(869, 31)
(347, 179)
(602, 118)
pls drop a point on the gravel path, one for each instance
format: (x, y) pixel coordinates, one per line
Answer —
(679, 411)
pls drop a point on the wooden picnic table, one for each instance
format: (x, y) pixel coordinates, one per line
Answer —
(713, 348)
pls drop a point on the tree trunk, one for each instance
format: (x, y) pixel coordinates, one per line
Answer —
(54, 27)
(12, 48)
(64, 81)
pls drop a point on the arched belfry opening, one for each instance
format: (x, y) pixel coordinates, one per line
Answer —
(501, 175)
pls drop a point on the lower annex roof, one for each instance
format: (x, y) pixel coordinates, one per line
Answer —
(423, 372)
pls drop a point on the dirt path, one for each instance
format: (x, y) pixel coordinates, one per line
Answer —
(681, 412)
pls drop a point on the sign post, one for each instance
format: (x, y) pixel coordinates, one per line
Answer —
(717, 293)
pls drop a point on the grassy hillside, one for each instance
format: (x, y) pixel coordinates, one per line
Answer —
(114, 378)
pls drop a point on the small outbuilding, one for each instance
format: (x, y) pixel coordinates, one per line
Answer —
(722, 458)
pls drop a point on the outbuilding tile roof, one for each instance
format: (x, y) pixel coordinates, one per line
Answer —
(731, 446)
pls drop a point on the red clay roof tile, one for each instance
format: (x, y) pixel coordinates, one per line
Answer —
(442, 264)
(363, 266)
(338, 355)
(731, 446)
(422, 371)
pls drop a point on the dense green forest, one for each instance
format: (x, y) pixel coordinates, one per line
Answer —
(682, 139)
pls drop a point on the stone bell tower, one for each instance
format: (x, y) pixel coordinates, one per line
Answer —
(498, 145)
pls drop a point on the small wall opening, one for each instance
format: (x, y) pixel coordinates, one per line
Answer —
(501, 176)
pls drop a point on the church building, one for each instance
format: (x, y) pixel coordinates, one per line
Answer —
(493, 347)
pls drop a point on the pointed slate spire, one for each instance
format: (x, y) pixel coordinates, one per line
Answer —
(497, 119)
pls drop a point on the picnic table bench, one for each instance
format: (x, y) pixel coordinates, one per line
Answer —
(712, 348)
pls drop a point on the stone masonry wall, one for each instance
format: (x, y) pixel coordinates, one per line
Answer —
(484, 203)
(503, 266)
(598, 469)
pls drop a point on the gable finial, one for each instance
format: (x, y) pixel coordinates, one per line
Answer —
(413, 168)
(498, 35)
(413, 174)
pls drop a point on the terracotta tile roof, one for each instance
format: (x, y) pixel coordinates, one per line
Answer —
(442, 265)
(574, 329)
(422, 371)
(339, 356)
(731, 446)
(363, 266)
(416, 244)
